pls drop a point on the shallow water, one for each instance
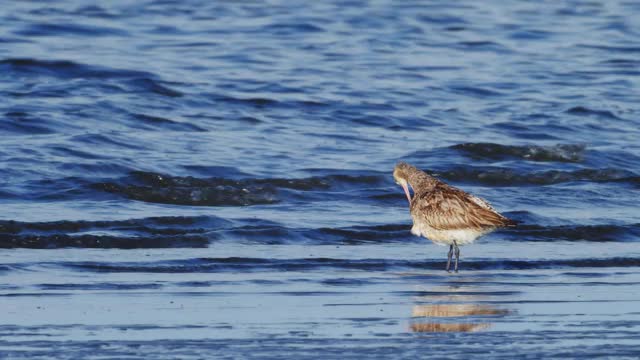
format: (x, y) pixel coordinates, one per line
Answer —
(197, 179)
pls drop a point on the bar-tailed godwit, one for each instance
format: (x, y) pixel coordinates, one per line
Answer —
(445, 214)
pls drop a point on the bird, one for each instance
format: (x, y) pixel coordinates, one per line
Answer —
(445, 214)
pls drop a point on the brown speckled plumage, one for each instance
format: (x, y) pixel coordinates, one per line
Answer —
(444, 214)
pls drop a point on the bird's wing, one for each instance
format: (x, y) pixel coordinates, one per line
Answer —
(481, 202)
(448, 208)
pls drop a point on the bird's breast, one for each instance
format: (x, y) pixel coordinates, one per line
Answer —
(447, 237)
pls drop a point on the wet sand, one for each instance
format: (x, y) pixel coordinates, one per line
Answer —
(327, 301)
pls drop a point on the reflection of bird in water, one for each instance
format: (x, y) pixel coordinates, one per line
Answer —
(446, 327)
(455, 310)
(444, 214)
(452, 311)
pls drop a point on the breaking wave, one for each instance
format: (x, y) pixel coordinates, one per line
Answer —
(560, 152)
(498, 176)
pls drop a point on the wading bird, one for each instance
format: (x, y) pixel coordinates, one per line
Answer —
(444, 214)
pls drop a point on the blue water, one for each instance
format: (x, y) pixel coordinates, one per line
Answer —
(197, 179)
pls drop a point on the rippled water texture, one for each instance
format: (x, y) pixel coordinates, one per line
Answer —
(199, 179)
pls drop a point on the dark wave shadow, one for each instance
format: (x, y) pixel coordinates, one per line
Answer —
(498, 176)
(233, 264)
(167, 189)
(561, 152)
(201, 231)
(128, 81)
(588, 233)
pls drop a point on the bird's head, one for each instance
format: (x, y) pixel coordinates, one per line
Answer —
(401, 176)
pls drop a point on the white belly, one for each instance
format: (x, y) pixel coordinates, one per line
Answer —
(447, 237)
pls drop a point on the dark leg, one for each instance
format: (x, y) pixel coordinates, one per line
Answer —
(457, 249)
(449, 258)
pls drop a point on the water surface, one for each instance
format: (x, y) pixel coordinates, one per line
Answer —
(197, 179)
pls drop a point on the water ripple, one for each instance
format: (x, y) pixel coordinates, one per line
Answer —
(496, 176)
(234, 264)
(560, 152)
(161, 188)
(52, 29)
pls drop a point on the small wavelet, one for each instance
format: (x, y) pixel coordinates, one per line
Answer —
(584, 111)
(560, 152)
(484, 45)
(174, 232)
(100, 286)
(53, 29)
(214, 193)
(162, 232)
(127, 80)
(613, 49)
(475, 91)
(273, 233)
(161, 123)
(147, 84)
(252, 101)
(293, 29)
(265, 102)
(148, 225)
(94, 11)
(159, 188)
(594, 233)
(235, 264)
(20, 122)
(168, 232)
(621, 63)
(497, 176)
(102, 140)
(367, 234)
(66, 69)
(56, 241)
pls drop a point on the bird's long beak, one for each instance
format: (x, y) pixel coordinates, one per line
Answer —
(405, 187)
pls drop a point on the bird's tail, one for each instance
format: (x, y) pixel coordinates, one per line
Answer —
(510, 222)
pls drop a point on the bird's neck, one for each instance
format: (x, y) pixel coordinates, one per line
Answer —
(421, 182)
